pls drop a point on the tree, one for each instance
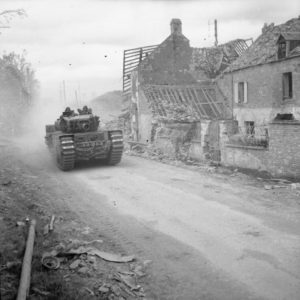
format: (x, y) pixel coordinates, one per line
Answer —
(18, 90)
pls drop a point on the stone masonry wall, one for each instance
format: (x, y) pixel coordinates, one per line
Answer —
(265, 96)
(254, 158)
(284, 153)
(145, 118)
(169, 63)
(281, 158)
(174, 138)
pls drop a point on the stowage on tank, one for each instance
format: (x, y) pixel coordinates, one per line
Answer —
(76, 137)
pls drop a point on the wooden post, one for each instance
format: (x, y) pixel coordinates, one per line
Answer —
(216, 33)
(26, 267)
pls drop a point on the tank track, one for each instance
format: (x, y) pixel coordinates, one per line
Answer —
(116, 148)
(65, 153)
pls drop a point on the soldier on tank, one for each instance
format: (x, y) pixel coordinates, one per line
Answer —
(68, 112)
(85, 110)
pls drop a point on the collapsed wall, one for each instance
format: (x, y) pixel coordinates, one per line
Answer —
(174, 138)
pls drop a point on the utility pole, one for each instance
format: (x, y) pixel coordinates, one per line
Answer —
(216, 33)
(64, 93)
(60, 94)
(79, 95)
(76, 99)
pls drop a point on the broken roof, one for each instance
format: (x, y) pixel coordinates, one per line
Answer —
(214, 60)
(291, 36)
(186, 103)
(264, 49)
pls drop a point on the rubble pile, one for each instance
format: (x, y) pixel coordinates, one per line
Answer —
(177, 112)
(114, 124)
(153, 153)
(83, 258)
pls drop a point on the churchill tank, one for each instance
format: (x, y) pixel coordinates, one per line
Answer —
(77, 137)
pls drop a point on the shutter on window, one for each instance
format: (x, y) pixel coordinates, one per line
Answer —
(245, 91)
(236, 92)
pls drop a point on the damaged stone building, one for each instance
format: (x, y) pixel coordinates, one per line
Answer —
(174, 97)
(264, 87)
(237, 103)
(264, 81)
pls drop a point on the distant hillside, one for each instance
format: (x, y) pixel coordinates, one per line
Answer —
(108, 105)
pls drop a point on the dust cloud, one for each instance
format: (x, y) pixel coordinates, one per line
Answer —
(31, 137)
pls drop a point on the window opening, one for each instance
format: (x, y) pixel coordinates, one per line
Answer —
(287, 88)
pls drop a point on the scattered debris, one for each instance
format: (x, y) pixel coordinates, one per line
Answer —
(90, 291)
(91, 259)
(77, 251)
(54, 252)
(253, 233)
(112, 257)
(83, 270)
(75, 264)
(128, 280)
(39, 292)
(60, 247)
(274, 186)
(280, 180)
(295, 186)
(138, 270)
(46, 229)
(277, 183)
(103, 289)
(10, 265)
(51, 225)
(75, 242)
(20, 223)
(268, 187)
(51, 262)
(56, 273)
(51, 259)
(6, 182)
(86, 230)
(104, 255)
(147, 262)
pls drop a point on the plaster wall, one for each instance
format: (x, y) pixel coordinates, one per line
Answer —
(265, 94)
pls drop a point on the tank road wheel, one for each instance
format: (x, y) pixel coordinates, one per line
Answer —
(116, 149)
(65, 154)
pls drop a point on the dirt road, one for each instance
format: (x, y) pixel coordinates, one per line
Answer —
(210, 236)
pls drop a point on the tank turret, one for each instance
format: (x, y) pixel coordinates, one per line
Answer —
(77, 123)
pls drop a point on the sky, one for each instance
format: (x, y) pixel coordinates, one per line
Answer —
(81, 42)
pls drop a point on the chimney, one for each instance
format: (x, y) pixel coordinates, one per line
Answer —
(267, 27)
(176, 26)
